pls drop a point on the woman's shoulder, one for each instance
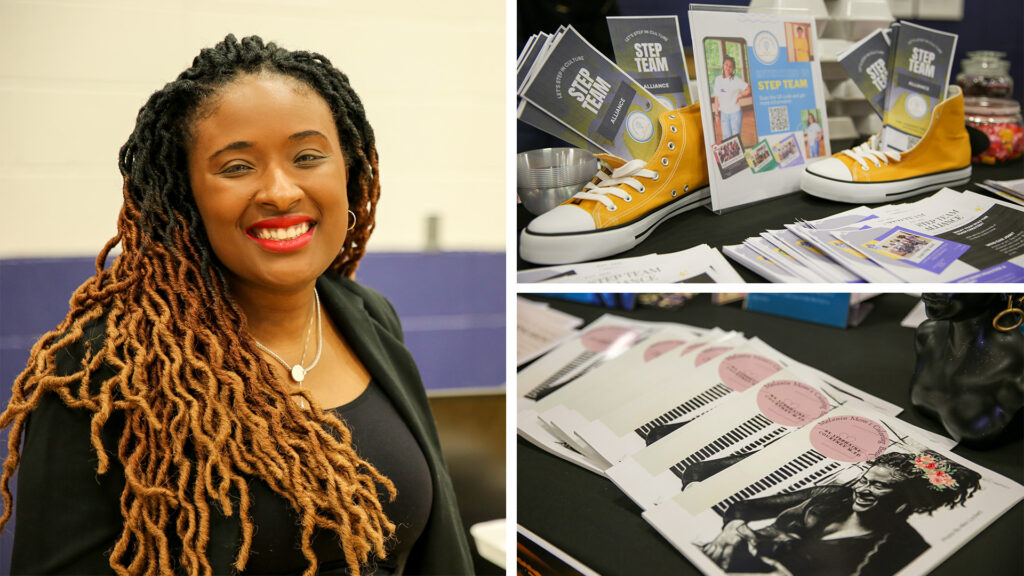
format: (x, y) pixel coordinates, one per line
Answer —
(346, 291)
(78, 343)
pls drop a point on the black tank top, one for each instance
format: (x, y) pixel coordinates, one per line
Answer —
(380, 437)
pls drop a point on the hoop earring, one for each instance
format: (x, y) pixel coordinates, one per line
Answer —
(353, 225)
(1010, 311)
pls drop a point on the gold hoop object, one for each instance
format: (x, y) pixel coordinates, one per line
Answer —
(353, 225)
(1010, 311)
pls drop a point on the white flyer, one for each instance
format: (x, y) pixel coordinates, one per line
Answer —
(848, 493)
(571, 415)
(954, 237)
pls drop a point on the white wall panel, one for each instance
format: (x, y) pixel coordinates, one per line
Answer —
(73, 75)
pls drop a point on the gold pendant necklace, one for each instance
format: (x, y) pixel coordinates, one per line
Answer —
(297, 372)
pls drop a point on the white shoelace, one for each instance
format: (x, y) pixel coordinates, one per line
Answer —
(870, 151)
(609, 184)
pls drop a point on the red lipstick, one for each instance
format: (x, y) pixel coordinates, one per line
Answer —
(286, 221)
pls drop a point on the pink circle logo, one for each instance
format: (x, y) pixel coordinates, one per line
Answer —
(791, 403)
(850, 438)
(601, 339)
(659, 348)
(741, 371)
(708, 354)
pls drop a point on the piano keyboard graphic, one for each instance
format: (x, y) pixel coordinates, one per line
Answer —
(551, 383)
(755, 425)
(812, 463)
(699, 401)
(775, 433)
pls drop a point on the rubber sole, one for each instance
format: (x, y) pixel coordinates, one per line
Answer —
(550, 249)
(877, 192)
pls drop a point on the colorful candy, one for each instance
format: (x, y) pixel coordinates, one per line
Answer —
(1001, 121)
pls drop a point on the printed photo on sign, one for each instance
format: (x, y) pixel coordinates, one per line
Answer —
(851, 493)
(787, 152)
(760, 158)
(729, 156)
(798, 35)
(907, 245)
(921, 250)
(731, 101)
(812, 529)
(814, 135)
(757, 77)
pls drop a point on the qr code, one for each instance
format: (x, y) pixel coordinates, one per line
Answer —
(778, 119)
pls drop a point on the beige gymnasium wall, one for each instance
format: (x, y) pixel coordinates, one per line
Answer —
(73, 75)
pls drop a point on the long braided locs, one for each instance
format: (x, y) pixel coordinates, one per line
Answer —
(203, 410)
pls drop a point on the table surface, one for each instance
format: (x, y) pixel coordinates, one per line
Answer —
(587, 516)
(702, 226)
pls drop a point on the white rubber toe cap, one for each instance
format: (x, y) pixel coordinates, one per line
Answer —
(562, 219)
(831, 168)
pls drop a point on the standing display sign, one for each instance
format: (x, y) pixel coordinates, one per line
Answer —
(762, 101)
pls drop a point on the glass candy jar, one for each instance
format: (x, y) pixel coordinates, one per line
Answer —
(985, 73)
(1001, 121)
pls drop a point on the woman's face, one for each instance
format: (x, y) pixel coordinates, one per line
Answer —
(268, 176)
(875, 489)
(727, 68)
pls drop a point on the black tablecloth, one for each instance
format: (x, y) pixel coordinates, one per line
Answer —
(587, 516)
(702, 226)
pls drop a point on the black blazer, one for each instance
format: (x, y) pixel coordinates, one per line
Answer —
(58, 467)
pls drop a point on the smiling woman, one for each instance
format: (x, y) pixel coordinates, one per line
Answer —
(830, 529)
(200, 407)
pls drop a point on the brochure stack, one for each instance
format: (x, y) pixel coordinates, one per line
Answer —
(747, 460)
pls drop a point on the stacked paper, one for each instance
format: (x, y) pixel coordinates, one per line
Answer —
(947, 237)
(746, 460)
(698, 264)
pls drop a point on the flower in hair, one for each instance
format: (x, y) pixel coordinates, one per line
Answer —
(936, 472)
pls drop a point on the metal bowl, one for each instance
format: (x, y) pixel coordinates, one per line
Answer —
(540, 200)
(554, 168)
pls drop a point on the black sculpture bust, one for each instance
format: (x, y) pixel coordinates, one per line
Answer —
(970, 370)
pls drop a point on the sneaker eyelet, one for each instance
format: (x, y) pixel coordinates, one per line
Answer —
(613, 208)
(686, 188)
(673, 129)
(641, 190)
(672, 116)
(674, 193)
(655, 177)
(664, 161)
(671, 145)
(628, 198)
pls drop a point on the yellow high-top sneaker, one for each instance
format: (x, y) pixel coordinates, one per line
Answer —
(868, 174)
(626, 201)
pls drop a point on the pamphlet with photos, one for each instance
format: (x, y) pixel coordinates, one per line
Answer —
(579, 86)
(762, 101)
(951, 237)
(922, 60)
(650, 49)
(850, 492)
